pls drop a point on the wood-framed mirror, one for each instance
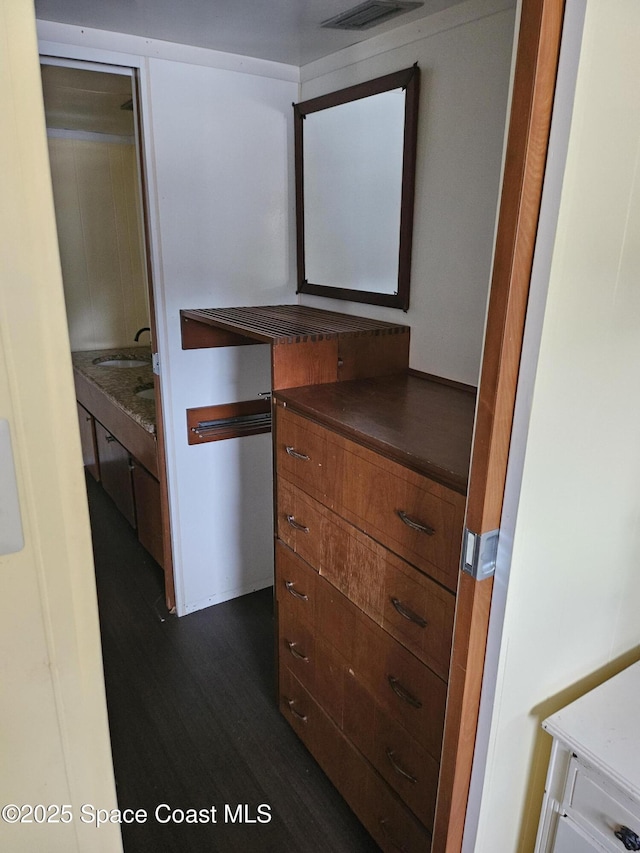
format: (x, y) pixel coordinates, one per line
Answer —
(355, 160)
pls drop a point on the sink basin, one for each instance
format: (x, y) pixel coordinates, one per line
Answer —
(121, 362)
(147, 393)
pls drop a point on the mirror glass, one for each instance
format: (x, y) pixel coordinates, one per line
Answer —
(355, 168)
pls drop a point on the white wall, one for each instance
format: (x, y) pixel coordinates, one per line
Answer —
(223, 176)
(218, 146)
(55, 737)
(573, 595)
(464, 56)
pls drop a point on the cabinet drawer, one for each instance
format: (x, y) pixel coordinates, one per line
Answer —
(411, 515)
(308, 529)
(404, 688)
(295, 584)
(400, 760)
(390, 823)
(419, 614)
(315, 663)
(301, 454)
(330, 632)
(597, 805)
(297, 646)
(412, 608)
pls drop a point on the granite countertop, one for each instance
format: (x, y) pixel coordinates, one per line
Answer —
(121, 384)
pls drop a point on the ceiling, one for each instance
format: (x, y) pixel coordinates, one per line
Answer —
(285, 31)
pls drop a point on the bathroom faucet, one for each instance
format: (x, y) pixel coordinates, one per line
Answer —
(140, 331)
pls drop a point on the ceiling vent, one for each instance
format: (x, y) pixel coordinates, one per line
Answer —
(369, 14)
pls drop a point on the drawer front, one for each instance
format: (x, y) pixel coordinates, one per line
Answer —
(404, 688)
(316, 664)
(390, 823)
(325, 631)
(411, 515)
(400, 760)
(599, 806)
(297, 647)
(419, 614)
(295, 584)
(308, 529)
(410, 606)
(301, 454)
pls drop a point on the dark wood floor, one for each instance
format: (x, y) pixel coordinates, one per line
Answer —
(193, 717)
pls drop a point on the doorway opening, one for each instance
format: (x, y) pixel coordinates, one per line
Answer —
(94, 137)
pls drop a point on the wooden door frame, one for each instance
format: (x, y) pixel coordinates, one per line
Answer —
(525, 160)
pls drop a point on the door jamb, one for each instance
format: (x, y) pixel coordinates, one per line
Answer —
(525, 161)
(132, 69)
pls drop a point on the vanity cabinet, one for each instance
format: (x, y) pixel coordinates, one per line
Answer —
(119, 445)
(115, 470)
(592, 795)
(368, 545)
(88, 441)
(146, 491)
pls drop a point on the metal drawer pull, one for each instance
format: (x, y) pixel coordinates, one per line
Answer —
(415, 525)
(384, 825)
(295, 652)
(302, 717)
(403, 693)
(408, 614)
(628, 837)
(399, 769)
(289, 585)
(296, 454)
(296, 524)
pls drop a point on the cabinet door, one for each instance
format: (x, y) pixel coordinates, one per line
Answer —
(148, 515)
(115, 471)
(88, 442)
(569, 839)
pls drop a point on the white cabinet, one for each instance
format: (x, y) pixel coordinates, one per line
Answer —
(592, 796)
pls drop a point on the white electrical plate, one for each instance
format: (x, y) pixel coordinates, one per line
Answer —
(11, 538)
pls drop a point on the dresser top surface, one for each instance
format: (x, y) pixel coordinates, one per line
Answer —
(422, 423)
(602, 728)
(287, 324)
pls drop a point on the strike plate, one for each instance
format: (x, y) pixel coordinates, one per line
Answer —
(479, 553)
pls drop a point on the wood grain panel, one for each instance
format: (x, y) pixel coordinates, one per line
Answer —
(401, 761)
(405, 689)
(387, 819)
(369, 576)
(306, 363)
(414, 517)
(146, 490)
(115, 469)
(527, 144)
(380, 355)
(421, 422)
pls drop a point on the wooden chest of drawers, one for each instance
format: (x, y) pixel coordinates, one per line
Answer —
(367, 559)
